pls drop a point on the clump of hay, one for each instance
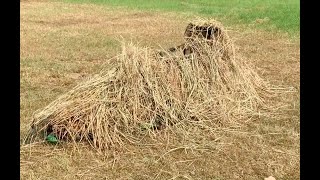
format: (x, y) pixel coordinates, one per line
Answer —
(140, 93)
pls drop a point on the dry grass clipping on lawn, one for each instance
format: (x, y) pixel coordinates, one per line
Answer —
(141, 94)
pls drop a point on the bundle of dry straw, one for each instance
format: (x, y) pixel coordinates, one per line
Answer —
(140, 93)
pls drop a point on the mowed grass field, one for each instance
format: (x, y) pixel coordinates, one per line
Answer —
(64, 42)
(271, 15)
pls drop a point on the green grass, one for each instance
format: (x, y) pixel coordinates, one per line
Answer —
(283, 16)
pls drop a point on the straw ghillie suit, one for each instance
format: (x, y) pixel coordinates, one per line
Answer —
(141, 93)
